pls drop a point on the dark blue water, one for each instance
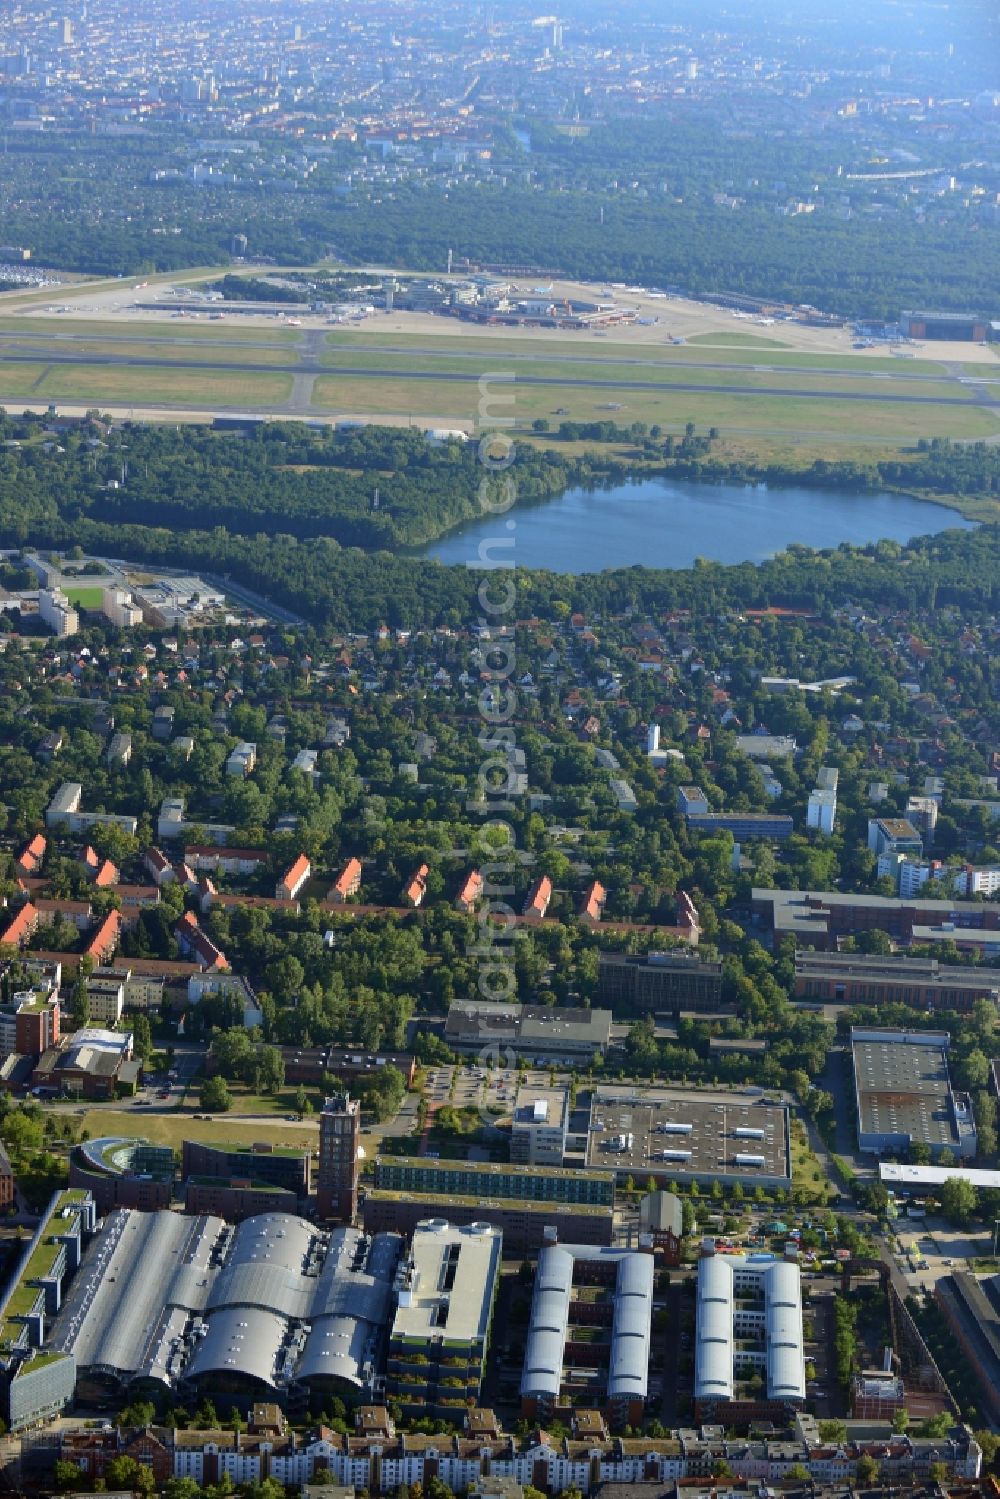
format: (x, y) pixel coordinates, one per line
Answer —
(660, 523)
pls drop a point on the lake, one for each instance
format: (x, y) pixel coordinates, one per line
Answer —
(662, 523)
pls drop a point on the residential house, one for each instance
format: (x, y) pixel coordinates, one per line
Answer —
(347, 883)
(293, 879)
(416, 887)
(471, 892)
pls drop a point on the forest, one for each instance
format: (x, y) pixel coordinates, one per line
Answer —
(288, 511)
(640, 201)
(855, 268)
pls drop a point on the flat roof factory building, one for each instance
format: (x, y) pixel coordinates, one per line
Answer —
(903, 1094)
(967, 327)
(688, 1137)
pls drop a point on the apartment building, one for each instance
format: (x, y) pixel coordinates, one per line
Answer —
(56, 611)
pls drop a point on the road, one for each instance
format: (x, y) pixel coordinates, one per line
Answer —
(255, 601)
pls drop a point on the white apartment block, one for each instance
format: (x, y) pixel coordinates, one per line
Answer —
(821, 813)
(105, 1000)
(56, 611)
(118, 606)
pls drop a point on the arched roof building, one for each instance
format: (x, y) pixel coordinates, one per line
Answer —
(264, 1310)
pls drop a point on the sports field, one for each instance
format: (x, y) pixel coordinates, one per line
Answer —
(84, 595)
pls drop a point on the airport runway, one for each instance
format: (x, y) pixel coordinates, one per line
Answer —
(24, 353)
(36, 345)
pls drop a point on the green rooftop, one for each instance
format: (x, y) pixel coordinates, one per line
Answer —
(496, 1168)
(239, 1149)
(248, 1184)
(507, 1204)
(42, 1358)
(40, 1000)
(25, 1294)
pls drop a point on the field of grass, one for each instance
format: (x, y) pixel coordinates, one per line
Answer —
(624, 376)
(177, 1126)
(491, 349)
(19, 380)
(738, 340)
(132, 328)
(183, 351)
(85, 596)
(767, 416)
(211, 389)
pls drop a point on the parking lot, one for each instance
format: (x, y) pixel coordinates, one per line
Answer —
(930, 1248)
(477, 1088)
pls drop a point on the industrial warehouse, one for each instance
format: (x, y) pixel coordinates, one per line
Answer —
(271, 1308)
(903, 1094)
(164, 1306)
(160, 1305)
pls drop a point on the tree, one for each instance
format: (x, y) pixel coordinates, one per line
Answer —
(271, 1069)
(875, 942)
(936, 1426)
(124, 1472)
(21, 1132)
(79, 1005)
(265, 1488)
(67, 1476)
(302, 1102)
(181, 1488)
(901, 1421)
(867, 1469)
(232, 1052)
(142, 1036)
(833, 1431)
(139, 1413)
(958, 1199)
(436, 1488)
(990, 1443)
(214, 1096)
(206, 1415)
(878, 1198)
